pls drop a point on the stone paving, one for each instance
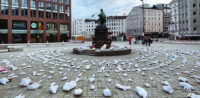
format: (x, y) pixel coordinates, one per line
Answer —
(117, 69)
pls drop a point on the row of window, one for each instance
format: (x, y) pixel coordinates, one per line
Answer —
(24, 3)
(152, 18)
(24, 12)
(152, 24)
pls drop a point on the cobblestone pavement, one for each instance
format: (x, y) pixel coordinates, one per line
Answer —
(155, 64)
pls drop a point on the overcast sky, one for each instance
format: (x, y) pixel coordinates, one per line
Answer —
(86, 8)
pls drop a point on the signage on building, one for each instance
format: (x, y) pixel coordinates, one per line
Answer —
(40, 26)
(34, 25)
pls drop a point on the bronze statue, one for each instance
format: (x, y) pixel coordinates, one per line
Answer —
(102, 19)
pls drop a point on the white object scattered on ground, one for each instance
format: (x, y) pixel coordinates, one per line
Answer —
(168, 89)
(34, 86)
(119, 86)
(107, 92)
(141, 92)
(192, 95)
(92, 87)
(182, 79)
(20, 96)
(69, 85)
(64, 78)
(147, 85)
(92, 80)
(4, 81)
(87, 67)
(130, 80)
(165, 83)
(53, 88)
(186, 86)
(25, 81)
(78, 92)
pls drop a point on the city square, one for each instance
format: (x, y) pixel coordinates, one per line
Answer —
(99, 49)
(151, 65)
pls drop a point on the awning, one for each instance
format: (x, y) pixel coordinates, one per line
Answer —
(19, 31)
(36, 31)
(3, 31)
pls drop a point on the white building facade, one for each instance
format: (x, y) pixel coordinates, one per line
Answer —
(78, 27)
(116, 24)
(185, 18)
(90, 25)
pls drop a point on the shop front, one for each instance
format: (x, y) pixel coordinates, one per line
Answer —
(37, 32)
(19, 31)
(51, 33)
(51, 36)
(3, 31)
(64, 36)
(64, 32)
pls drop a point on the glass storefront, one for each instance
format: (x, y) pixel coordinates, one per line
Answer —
(19, 31)
(3, 31)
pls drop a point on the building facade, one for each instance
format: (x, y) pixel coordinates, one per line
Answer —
(185, 18)
(78, 27)
(90, 25)
(145, 22)
(116, 24)
(35, 20)
(166, 18)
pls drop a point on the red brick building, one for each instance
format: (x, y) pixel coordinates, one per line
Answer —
(24, 21)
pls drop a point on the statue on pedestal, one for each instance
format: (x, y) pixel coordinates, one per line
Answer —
(101, 32)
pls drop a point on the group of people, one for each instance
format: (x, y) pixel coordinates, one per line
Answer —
(147, 41)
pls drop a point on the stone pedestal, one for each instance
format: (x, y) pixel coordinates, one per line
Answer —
(101, 37)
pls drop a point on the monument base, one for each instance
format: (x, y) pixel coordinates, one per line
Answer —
(101, 38)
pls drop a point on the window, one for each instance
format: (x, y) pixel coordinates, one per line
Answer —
(24, 3)
(64, 27)
(51, 26)
(61, 16)
(194, 21)
(67, 2)
(41, 14)
(15, 7)
(61, 9)
(4, 10)
(33, 4)
(55, 7)
(55, 15)
(4, 2)
(60, 1)
(48, 6)
(15, 11)
(40, 5)
(48, 15)
(4, 7)
(194, 5)
(15, 2)
(33, 13)
(55, 0)
(194, 13)
(19, 25)
(24, 6)
(195, 28)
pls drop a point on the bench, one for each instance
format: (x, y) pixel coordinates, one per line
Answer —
(3, 47)
(14, 48)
